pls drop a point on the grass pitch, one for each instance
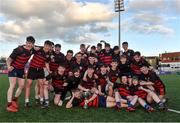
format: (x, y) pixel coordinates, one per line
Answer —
(54, 113)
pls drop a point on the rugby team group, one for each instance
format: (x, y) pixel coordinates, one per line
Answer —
(96, 76)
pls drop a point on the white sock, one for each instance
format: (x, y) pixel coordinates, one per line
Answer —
(60, 103)
(36, 97)
(26, 100)
(41, 99)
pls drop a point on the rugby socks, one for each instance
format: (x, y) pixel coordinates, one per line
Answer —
(41, 101)
(46, 101)
(161, 104)
(129, 104)
(146, 106)
(26, 100)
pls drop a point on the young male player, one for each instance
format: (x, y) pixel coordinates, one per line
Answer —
(16, 64)
(150, 78)
(36, 71)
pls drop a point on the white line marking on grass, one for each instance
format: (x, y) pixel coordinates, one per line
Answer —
(172, 110)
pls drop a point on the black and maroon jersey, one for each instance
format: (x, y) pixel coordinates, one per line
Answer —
(135, 66)
(39, 59)
(129, 54)
(56, 60)
(90, 83)
(123, 89)
(99, 55)
(113, 75)
(153, 77)
(73, 82)
(95, 65)
(20, 57)
(102, 78)
(68, 65)
(106, 58)
(136, 91)
(57, 80)
(82, 66)
(116, 56)
(124, 68)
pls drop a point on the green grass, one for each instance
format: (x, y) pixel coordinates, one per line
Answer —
(172, 83)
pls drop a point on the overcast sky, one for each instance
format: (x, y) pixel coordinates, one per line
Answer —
(150, 26)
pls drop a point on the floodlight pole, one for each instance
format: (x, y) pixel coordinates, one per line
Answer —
(119, 6)
(119, 29)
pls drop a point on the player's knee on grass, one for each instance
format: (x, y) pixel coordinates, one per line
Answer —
(57, 99)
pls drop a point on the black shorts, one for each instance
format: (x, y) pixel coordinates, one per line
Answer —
(19, 73)
(58, 90)
(102, 101)
(35, 73)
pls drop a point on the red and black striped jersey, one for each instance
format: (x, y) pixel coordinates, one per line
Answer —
(39, 59)
(135, 66)
(153, 77)
(20, 57)
(123, 89)
(90, 83)
(56, 60)
(102, 79)
(136, 91)
(57, 80)
(81, 102)
(106, 58)
(113, 75)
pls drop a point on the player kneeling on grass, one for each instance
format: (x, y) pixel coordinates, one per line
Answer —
(59, 84)
(89, 83)
(153, 82)
(16, 65)
(73, 82)
(124, 92)
(78, 99)
(143, 95)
